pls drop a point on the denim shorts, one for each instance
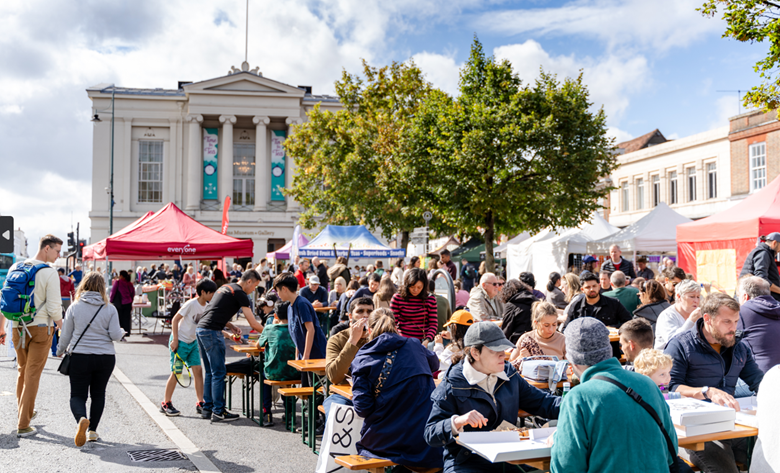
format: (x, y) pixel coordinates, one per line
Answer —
(187, 351)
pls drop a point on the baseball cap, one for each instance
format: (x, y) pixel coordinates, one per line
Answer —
(774, 236)
(314, 280)
(589, 259)
(461, 317)
(488, 334)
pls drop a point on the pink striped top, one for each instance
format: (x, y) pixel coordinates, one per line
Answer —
(414, 317)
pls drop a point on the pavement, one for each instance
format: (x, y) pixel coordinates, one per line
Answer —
(131, 422)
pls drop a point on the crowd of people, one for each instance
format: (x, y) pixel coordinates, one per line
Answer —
(421, 373)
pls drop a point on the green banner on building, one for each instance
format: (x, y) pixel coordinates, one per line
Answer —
(277, 164)
(210, 152)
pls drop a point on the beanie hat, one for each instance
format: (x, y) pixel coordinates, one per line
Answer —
(587, 342)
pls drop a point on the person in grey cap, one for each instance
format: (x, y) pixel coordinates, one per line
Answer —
(479, 392)
(761, 262)
(601, 428)
(315, 293)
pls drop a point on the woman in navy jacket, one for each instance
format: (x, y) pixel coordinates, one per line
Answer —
(392, 385)
(478, 394)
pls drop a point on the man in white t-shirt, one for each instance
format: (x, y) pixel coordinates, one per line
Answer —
(184, 341)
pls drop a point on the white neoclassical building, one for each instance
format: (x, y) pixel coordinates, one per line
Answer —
(196, 144)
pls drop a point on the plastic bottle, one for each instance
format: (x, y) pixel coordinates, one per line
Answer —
(566, 388)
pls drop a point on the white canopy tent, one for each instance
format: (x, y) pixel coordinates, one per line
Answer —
(500, 251)
(548, 251)
(654, 233)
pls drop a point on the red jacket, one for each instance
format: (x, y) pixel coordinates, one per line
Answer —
(67, 289)
(301, 279)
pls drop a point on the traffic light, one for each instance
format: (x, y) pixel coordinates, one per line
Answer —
(82, 244)
(71, 243)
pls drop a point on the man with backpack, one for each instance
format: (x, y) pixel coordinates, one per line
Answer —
(468, 274)
(33, 328)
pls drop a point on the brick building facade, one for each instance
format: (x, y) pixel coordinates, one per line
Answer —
(754, 139)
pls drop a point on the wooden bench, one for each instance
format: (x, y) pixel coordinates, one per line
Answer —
(288, 384)
(359, 463)
(229, 390)
(321, 408)
(297, 392)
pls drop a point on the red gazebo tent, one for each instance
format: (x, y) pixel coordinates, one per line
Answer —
(168, 234)
(714, 248)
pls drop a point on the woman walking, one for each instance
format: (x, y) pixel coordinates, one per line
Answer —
(91, 325)
(122, 293)
(415, 309)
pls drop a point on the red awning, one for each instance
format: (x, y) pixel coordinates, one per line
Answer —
(168, 234)
(758, 214)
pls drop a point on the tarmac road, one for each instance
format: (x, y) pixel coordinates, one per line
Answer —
(240, 446)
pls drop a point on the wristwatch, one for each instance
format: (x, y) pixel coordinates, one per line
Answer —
(704, 391)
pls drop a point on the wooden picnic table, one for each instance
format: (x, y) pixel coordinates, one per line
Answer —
(248, 383)
(696, 442)
(317, 368)
(324, 309)
(309, 366)
(346, 389)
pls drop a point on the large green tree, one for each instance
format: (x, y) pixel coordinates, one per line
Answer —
(754, 21)
(347, 173)
(504, 157)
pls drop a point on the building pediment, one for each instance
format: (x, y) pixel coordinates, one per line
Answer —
(244, 83)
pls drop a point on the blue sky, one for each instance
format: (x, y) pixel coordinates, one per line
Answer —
(654, 64)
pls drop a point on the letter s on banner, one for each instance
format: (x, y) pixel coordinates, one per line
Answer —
(340, 438)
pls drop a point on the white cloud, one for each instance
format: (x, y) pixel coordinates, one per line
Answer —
(658, 24)
(611, 79)
(619, 135)
(725, 108)
(51, 207)
(441, 70)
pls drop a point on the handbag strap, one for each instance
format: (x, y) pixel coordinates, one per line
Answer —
(636, 397)
(87, 327)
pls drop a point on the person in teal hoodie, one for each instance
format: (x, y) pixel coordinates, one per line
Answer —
(600, 427)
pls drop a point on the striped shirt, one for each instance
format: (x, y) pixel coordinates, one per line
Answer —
(415, 318)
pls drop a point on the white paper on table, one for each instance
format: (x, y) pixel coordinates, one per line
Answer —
(748, 403)
(506, 446)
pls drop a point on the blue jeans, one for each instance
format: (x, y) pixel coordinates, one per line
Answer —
(742, 389)
(334, 399)
(211, 345)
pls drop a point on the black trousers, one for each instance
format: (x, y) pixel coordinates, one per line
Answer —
(125, 312)
(89, 375)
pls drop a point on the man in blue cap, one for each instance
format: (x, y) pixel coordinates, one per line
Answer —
(761, 262)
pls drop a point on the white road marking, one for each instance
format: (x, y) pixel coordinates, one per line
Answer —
(197, 457)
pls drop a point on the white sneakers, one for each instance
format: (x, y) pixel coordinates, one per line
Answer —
(92, 436)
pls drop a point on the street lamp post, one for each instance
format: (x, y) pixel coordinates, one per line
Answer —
(96, 119)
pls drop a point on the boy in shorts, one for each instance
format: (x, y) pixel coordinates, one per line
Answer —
(184, 341)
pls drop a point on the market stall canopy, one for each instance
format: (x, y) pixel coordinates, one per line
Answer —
(451, 241)
(168, 234)
(715, 248)
(354, 240)
(548, 251)
(500, 250)
(467, 248)
(653, 233)
(284, 252)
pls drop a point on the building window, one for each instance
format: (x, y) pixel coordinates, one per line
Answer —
(624, 196)
(640, 194)
(691, 184)
(150, 172)
(243, 176)
(656, 190)
(757, 166)
(712, 181)
(673, 187)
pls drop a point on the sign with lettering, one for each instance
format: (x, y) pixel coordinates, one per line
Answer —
(210, 157)
(341, 434)
(277, 165)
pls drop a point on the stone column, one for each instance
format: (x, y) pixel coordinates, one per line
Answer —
(290, 163)
(262, 165)
(226, 158)
(194, 163)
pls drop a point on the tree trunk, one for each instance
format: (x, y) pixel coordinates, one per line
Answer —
(489, 231)
(405, 239)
